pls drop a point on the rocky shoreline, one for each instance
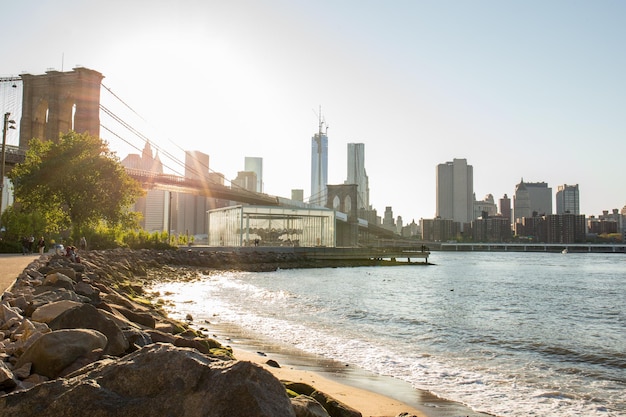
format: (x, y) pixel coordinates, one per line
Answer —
(84, 339)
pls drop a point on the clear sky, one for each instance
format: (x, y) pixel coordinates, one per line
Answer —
(532, 89)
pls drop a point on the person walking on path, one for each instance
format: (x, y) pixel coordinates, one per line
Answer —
(25, 245)
(41, 244)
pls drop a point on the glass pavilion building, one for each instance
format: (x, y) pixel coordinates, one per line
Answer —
(271, 226)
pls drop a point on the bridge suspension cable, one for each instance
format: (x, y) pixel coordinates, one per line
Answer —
(122, 101)
(143, 137)
(137, 133)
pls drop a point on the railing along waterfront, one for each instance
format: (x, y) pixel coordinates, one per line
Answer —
(536, 247)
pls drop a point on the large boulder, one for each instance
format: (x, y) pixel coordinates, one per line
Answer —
(305, 406)
(58, 280)
(9, 316)
(86, 316)
(157, 381)
(57, 350)
(334, 407)
(85, 289)
(68, 272)
(143, 319)
(48, 312)
(47, 294)
(7, 379)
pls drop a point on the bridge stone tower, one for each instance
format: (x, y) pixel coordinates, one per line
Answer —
(57, 102)
(343, 198)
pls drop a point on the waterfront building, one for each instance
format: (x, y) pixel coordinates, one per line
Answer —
(297, 194)
(439, 230)
(491, 229)
(567, 199)
(216, 178)
(521, 202)
(255, 164)
(532, 199)
(145, 161)
(485, 208)
(598, 226)
(399, 225)
(553, 228)
(410, 230)
(388, 222)
(565, 228)
(531, 228)
(505, 207)
(622, 223)
(196, 165)
(319, 167)
(540, 198)
(607, 223)
(174, 212)
(357, 174)
(271, 226)
(246, 180)
(154, 205)
(188, 211)
(614, 215)
(455, 191)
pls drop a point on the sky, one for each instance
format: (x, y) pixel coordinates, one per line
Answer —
(521, 89)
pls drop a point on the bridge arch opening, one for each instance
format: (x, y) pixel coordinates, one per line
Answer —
(336, 202)
(347, 204)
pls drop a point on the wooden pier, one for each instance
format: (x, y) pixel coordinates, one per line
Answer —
(383, 255)
(356, 254)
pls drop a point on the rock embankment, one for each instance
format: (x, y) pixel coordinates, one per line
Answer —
(82, 339)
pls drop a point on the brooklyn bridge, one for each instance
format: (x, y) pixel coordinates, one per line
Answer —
(57, 102)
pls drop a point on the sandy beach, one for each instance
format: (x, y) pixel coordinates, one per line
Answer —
(371, 394)
(367, 402)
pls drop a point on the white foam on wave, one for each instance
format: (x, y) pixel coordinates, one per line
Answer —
(490, 390)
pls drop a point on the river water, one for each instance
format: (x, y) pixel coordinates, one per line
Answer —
(511, 334)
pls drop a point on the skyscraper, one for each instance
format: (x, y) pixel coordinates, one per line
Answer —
(254, 164)
(154, 205)
(188, 211)
(246, 180)
(521, 202)
(319, 166)
(388, 222)
(567, 199)
(455, 191)
(505, 207)
(196, 165)
(357, 174)
(540, 197)
(532, 198)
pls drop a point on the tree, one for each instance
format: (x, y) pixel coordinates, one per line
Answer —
(76, 181)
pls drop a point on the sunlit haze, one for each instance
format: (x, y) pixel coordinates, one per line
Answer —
(532, 89)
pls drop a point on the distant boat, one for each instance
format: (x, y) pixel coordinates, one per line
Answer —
(565, 251)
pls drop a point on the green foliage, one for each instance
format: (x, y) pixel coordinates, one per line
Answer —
(104, 236)
(75, 182)
(8, 246)
(19, 223)
(610, 237)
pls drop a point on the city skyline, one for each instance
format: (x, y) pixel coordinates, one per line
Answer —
(520, 89)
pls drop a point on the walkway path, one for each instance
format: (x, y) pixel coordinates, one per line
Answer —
(11, 266)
